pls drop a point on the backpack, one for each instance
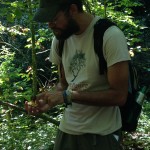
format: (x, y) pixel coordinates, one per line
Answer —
(131, 110)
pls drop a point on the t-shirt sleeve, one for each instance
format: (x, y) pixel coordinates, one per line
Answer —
(54, 57)
(115, 46)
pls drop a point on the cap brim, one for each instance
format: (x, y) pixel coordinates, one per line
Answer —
(45, 14)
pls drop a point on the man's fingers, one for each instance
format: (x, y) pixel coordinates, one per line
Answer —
(45, 108)
(35, 111)
(41, 102)
(30, 109)
(36, 107)
(26, 105)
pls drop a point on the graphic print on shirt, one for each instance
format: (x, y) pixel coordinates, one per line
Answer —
(77, 63)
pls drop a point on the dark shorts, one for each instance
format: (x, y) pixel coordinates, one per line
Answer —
(66, 141)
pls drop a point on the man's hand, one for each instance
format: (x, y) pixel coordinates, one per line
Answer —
(43, 102)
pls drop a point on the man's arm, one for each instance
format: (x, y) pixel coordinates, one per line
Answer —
(114, 96)
(117, 93)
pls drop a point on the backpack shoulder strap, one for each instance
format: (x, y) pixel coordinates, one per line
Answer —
(99, 29)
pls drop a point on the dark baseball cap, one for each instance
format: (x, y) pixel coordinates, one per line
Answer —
(48, 9)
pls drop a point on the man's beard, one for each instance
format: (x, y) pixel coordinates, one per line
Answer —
(71, 28)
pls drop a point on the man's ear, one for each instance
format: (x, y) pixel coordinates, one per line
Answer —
(73, 9)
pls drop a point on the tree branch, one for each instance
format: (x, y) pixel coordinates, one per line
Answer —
(5, 43)
(43, 116)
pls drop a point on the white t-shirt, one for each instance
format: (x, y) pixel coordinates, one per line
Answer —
(81, 66)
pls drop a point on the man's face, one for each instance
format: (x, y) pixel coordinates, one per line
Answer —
(63, 26)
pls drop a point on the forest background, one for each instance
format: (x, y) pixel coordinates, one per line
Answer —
(25, 70)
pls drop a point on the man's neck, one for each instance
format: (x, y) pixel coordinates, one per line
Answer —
(83, 20)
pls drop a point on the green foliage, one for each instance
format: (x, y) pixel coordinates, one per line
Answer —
(23, 132)
(121, 12)
(141, 138)
(13, 85)
(134, 28)
(17, 10)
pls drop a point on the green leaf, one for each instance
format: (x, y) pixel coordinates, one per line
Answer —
(10, 17)
(18, 13)
(14, 4)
